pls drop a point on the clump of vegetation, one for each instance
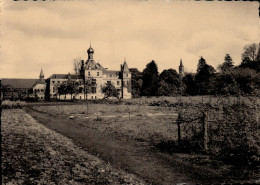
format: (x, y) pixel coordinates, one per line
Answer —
(8, 104)
(236, 139)
(232, 133)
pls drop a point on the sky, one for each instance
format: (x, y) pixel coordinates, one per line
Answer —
(50, 34)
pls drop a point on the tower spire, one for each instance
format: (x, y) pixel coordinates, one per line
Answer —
(181, 69)
(41, 75)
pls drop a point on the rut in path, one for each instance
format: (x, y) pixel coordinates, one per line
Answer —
(132, 156)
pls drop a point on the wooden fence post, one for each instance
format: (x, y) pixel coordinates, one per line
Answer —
(179, 119)
(205, 130)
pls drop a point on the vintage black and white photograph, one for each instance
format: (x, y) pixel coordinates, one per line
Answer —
(160, 92)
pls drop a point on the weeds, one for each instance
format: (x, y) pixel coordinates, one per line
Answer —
(8, 104)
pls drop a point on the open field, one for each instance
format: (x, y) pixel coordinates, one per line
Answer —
(140, 157)
(33, 154)
(145, 122)
(155, 127)
(141, 139)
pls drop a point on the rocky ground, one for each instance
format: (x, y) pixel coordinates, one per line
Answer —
(34, 154)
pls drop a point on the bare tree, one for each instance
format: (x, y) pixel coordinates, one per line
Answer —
(77, 65)
(250, 51)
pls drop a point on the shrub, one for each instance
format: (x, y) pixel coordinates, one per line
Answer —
(8, 104)
(235, 140)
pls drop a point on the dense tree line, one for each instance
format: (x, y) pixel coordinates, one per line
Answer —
(228, 79)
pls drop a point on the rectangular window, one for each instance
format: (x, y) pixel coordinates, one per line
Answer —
(53, 81)
(93, 90)
(97, 73)
(94, 81)
(126, 75)
(80, 90)
(117, 82)
(109, 82)
(58, 82)
(89, 73)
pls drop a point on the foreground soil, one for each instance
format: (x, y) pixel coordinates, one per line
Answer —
(34, 154)
(140, 157)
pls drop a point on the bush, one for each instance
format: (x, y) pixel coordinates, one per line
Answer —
(8, 104)
(235, 140)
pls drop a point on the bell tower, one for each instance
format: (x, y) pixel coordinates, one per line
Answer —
(181, 69)
(41, 75)
(90, 53)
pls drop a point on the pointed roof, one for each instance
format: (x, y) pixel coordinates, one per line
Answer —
(90, 49)
(181, 63)
(125, 67)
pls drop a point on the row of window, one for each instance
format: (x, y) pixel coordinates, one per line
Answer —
(109, 82)
(39, 90)
(89, 73)
(64, 82)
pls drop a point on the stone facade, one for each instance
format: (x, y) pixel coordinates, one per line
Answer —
(91, 81)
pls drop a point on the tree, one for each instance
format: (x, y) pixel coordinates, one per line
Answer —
(72, 88)
(201, 64)
(227, 65)
(205, 77)
(246, 80)
(136, 82)
(226, 84)
(110, 91)
(150, 79)
(251, 52)
(88, 84)
(77, 65)
(62, 89)
(189, 84)
(169, 84)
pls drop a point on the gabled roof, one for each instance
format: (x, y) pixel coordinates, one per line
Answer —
(19, 83)
(65, 76)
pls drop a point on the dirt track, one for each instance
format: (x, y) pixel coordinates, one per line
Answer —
(34, 154)
(132, 156)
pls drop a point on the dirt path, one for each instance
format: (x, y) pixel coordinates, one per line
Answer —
(34, 154)
(132, 156)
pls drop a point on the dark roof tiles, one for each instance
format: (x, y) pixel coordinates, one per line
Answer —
(19, 83)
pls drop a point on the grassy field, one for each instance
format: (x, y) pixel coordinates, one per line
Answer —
(233, 129)
(150, 123)
(33, 154)
(145, 122)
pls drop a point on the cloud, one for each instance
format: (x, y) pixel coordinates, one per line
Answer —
(51, 34)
